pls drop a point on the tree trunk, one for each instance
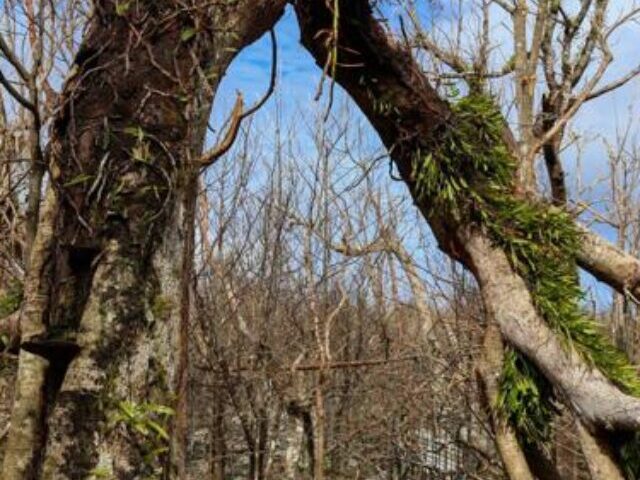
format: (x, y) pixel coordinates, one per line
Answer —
(11, 247)
(599, 456)
(101, 342)
(294, 451)
(513, 458)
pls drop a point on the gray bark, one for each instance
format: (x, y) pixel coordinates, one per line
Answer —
(610, 264)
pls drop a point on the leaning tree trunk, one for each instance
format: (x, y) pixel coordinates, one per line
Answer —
(104, 310)
(388, 85)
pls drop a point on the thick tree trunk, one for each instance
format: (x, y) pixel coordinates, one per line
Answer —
(380, 72)
(11, 247)
(300, 454)
(294, 450)
(101, 342)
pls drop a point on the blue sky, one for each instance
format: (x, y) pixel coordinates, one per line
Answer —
(298, 78)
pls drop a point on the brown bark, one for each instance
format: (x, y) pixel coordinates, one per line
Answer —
(556, 173)
(8, 367)
(127, 124)
(380, 71)
(181, 423)
(36, 176)
(551, 150)
(25, 436)
(319, 427)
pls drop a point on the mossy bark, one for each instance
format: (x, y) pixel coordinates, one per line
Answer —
(126, 353)
(8, 373)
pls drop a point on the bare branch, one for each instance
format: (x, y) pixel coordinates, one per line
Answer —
(614, 85)
(13, 60)
(238, 115)
(17, 95)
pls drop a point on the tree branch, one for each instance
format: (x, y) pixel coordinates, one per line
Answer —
(417, 118)
(16, 95)
(238, 115)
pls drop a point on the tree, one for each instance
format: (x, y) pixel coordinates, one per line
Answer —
(107, 288)
(414, 122)
(103, 341)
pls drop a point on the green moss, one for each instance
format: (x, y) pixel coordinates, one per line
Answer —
(470, 172)
(11, 300)
(162, 307)
(101, 473)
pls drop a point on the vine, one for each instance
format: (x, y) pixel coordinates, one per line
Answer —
(470, 172)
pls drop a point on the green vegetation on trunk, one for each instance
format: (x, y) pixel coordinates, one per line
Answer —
(471, 172)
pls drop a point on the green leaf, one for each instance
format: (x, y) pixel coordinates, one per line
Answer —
(142, 428)
(163, 410)
(160, 431)
(122, 8)
(134, 131)
(187, 34)
(83, 177)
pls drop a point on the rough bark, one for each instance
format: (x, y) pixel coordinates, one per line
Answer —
(513, 457)
(294, 448)
(380, 72)
(25, 441)
(101, 319)
(598, 456)
(11, 247)
(36, 176)
(26, 433)
(8, 367)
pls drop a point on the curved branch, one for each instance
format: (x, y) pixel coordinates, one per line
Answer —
(17, 95)
(238, 115)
